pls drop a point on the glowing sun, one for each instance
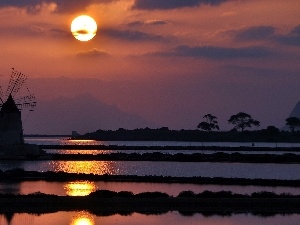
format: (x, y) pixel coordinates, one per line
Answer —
(84, 28)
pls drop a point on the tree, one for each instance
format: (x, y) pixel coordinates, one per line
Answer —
(243, 120)
(293, 123)
(210, 124)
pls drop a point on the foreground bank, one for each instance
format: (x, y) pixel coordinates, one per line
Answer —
(108, 202)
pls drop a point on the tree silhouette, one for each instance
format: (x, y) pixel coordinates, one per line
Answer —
(210, 124)
(243, 120)
(293, 123)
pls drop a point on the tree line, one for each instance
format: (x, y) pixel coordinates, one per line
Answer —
(241, 121)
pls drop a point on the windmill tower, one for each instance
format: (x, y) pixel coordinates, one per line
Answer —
(11, 130)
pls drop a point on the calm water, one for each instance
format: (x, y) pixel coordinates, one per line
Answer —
(65, 141)
(96, 151)
(81, 187)
(84, 187)
(175, 169)
(174, 218)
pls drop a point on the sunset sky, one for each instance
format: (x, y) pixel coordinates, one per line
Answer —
(167, 61)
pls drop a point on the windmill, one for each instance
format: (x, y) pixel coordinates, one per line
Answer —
(11, 130)
(17, 80)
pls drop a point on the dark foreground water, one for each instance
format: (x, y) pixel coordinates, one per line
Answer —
(174, 218)
(175, 169)
(81, 187)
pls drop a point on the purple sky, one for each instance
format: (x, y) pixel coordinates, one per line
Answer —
(169, 62)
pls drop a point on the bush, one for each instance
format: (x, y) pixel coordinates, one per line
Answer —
(103, 193)
(186, 194)
(152, 195)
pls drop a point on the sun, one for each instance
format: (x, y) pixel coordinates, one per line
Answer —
(84, 28)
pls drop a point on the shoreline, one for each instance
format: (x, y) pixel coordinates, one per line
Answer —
(21, 175)
(107, 202)
(134, 147)
(235, 157)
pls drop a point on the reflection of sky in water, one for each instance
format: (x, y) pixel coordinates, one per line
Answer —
(79, 151)
(87, 167)
(79, 188)
(82, 218)
(174, 218)
(66, 141)
(177, 169)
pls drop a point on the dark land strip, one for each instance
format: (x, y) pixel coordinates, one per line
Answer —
(287, 158)
(20, 175)
(107, 202)
(180, 157)
(212, 148)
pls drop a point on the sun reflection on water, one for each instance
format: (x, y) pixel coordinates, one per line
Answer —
(82, 142)
(83, 218)
(86, 167)
(79, 188)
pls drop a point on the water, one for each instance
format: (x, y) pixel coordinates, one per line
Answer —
(172, 152)
(184, 169)
(175, 169)
(66, 141)
(84, 187)
(174, 218)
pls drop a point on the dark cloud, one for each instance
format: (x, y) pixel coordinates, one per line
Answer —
(63, 6)
(292, 38)
(147, 22)
(295, 31)
(255, 33)
(172, 4)
(267, 33)
(216, 52)
(131, 35)
(94, 53)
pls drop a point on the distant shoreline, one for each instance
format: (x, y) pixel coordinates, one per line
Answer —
(19, 175)
(158, 155)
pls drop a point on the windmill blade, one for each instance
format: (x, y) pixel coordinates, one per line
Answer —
(26, 102)
(1, 95)
(26, 105)
(16, 81)
(27, 98)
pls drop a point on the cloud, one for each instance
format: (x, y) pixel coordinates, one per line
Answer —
(255, 33)
(292, 38)
(173, 4)
(267, 33)
(147, 22)
(94, 53)
(215, 52)
(131, 35)
(62, 6)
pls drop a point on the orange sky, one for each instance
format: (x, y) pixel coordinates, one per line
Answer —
(194, 54)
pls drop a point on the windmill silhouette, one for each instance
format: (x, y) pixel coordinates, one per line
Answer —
(17, 80)
(11, 130)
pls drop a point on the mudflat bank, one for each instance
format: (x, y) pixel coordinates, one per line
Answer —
(180, 157)
(235, 157)
(21, 175)
(108, 202)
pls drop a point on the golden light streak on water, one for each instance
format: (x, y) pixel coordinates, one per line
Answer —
(83, 152)
(82, 142)
(83, 218)
(86, 167)
(79, 188)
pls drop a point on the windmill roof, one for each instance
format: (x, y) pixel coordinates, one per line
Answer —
(9, 105)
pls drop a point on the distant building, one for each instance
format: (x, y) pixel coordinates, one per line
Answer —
(75, 133)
